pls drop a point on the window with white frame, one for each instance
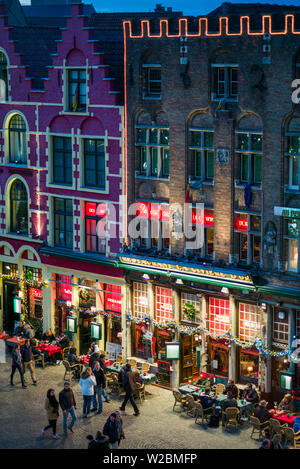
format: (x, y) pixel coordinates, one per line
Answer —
(94, 163)
(152, 80)
(249, 156)
(3, 78)
(248, 237)
(202, 154)
(77, 90)
(195, 301)
(219, 320)
(17, 149)
(140, 300)
(291, 236)
(152, 145)
(95, 227)
(249, 322)
(293, 156)
(206, 250)
(281, 326)
(163, 304)
(225, 82)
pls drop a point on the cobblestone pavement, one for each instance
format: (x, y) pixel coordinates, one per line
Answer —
(22, 417)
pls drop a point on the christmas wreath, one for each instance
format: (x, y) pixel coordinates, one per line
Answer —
(84, 295)
(189, 310)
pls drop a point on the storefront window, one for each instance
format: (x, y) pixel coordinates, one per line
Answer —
(140, 300)
(10, 269)
(249, 365)
(219, 357)
(162, 337)
(63, 295)
(278, 364)
(218, 316)
(143, 341)
(116, 328)
(249, 322)
(190, 303)
(280, 326)
(164, 308)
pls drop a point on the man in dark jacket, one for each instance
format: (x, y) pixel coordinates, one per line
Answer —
(102, 364)
(68, 405)
(205, 400)
(129, 385)
(64, 341)
(100, 380)
(249, 394)
(16, 364)
(262, 413)
(20, 330)
(27, 359)
(111, 429)
(231, 387)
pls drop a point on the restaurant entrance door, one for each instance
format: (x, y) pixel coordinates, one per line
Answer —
(189, 370)
(9, 316)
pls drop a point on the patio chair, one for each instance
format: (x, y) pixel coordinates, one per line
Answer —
(220, 388)
(179, 400)
(119, 358)
(140, 391)
(39, 358)
(201, 413)
(231, 416)
(145, 367)
(290, 437)
(66, 352)
(275, 427)
(133, 363)
(190, 405)
(115, 386)
(258, 427)
(71, 370)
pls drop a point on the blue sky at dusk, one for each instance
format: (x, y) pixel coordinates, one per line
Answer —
(189, 7)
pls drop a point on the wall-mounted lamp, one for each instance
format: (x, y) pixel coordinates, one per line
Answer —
(225, 291)
(146, 276)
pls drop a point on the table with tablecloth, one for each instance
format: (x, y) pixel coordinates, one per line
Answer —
(49, 349)
(85, 359)
(283, 417)
(13, 341)
(146, 377)
(220, 398)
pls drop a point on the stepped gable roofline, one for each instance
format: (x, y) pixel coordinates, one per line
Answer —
(214, 26)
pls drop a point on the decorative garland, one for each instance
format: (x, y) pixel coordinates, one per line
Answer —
(22, 280)
(86, 310)
(84, 295)
(257, 343)
(189, 310)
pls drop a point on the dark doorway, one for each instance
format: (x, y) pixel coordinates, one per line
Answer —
(9, 317)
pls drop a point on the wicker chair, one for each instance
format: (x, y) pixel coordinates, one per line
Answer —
(145, 367)
(275, 427)
(140, 391)
(179, 400)
(115, 386)
(290, 437)
(190, 405)
(71, 369)
(231, 416)
(119, 358)
(39, 358)
(258, 427)
(201, 413)
(66, 352)
(220, 388)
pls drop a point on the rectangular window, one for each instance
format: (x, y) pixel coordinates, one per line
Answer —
(202, 154)
(293, 154)
(248, 229)
(140, 300)
(77, 90)
(95, 227)
(143, 160)
(281, 327)
(249, 157)
(219, 321)
(188, 299)
(63, 223)
(249, 322)
(62, 160)
(225, 82)
(152, 81)
(165, 162)
(163, 304)
(291, 235)
(154, 161)
(94, 163)
(153, 152)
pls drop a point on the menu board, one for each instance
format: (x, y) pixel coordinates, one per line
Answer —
(164, 373)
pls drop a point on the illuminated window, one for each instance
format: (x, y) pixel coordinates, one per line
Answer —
(140, 300)
(202, 154)
(153, 151)
(249, 154)
(281, 326)
(153, 229)
(77, 90)
(225, 82)
(293, 155)
(207, 249)
(163, 303)
(194, 300)
(249, 322)
(152, 81)
(18, 208)
(248, 234)
(291, 236)
(219, 321)
(95, 227)
(17, 140)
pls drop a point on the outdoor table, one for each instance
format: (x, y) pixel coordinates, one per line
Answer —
(13, 341)
(49, 349)
(85, 359)
(283, 418)
(146, 377)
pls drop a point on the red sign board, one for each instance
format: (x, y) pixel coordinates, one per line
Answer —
(93, 209)
(113, 298)
(241, 224)
(66, 292)
(36, 293)
(153, 211)
(142, 209)
(207, 219)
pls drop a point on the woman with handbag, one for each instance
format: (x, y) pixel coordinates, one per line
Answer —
(51, 406)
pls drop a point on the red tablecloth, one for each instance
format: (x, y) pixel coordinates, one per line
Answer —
(86, 358)
(13, 341)
(49, 349)
(283, 418)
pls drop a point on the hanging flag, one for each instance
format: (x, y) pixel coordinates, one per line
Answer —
(76, 98)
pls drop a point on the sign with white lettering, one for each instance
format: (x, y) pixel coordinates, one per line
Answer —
(287, 212)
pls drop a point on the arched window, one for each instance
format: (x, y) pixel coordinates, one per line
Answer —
(18, 208)
(3, 78)
(17, 140)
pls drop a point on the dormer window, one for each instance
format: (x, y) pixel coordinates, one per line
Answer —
(77, 90)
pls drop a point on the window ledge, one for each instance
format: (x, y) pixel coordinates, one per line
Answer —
(22, 237)
(16, 165)
(289, 190)
(57, 185)
(224, 100)
(152, 97)
(74, 113)
(242, 185)
(153, 178)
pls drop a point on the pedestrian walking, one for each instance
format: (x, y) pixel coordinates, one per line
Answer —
(68, 405)
(129, 384)
(119, 421)
(51, 406)
(111, 429)
(102, 442)
(91, 442)
(102, 364)
(100, 380)
(16, 364)
(87, 383)
(27, 359)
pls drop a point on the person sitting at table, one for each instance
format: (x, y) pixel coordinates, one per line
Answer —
(94, 356)
(230, 401)
(231, 387)
(29, 332)
(205, 400)
(262, 413)
(64, 341)
(296, 424)
(48, 336)
(287, 403)
(250, 394)
(20, 330)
